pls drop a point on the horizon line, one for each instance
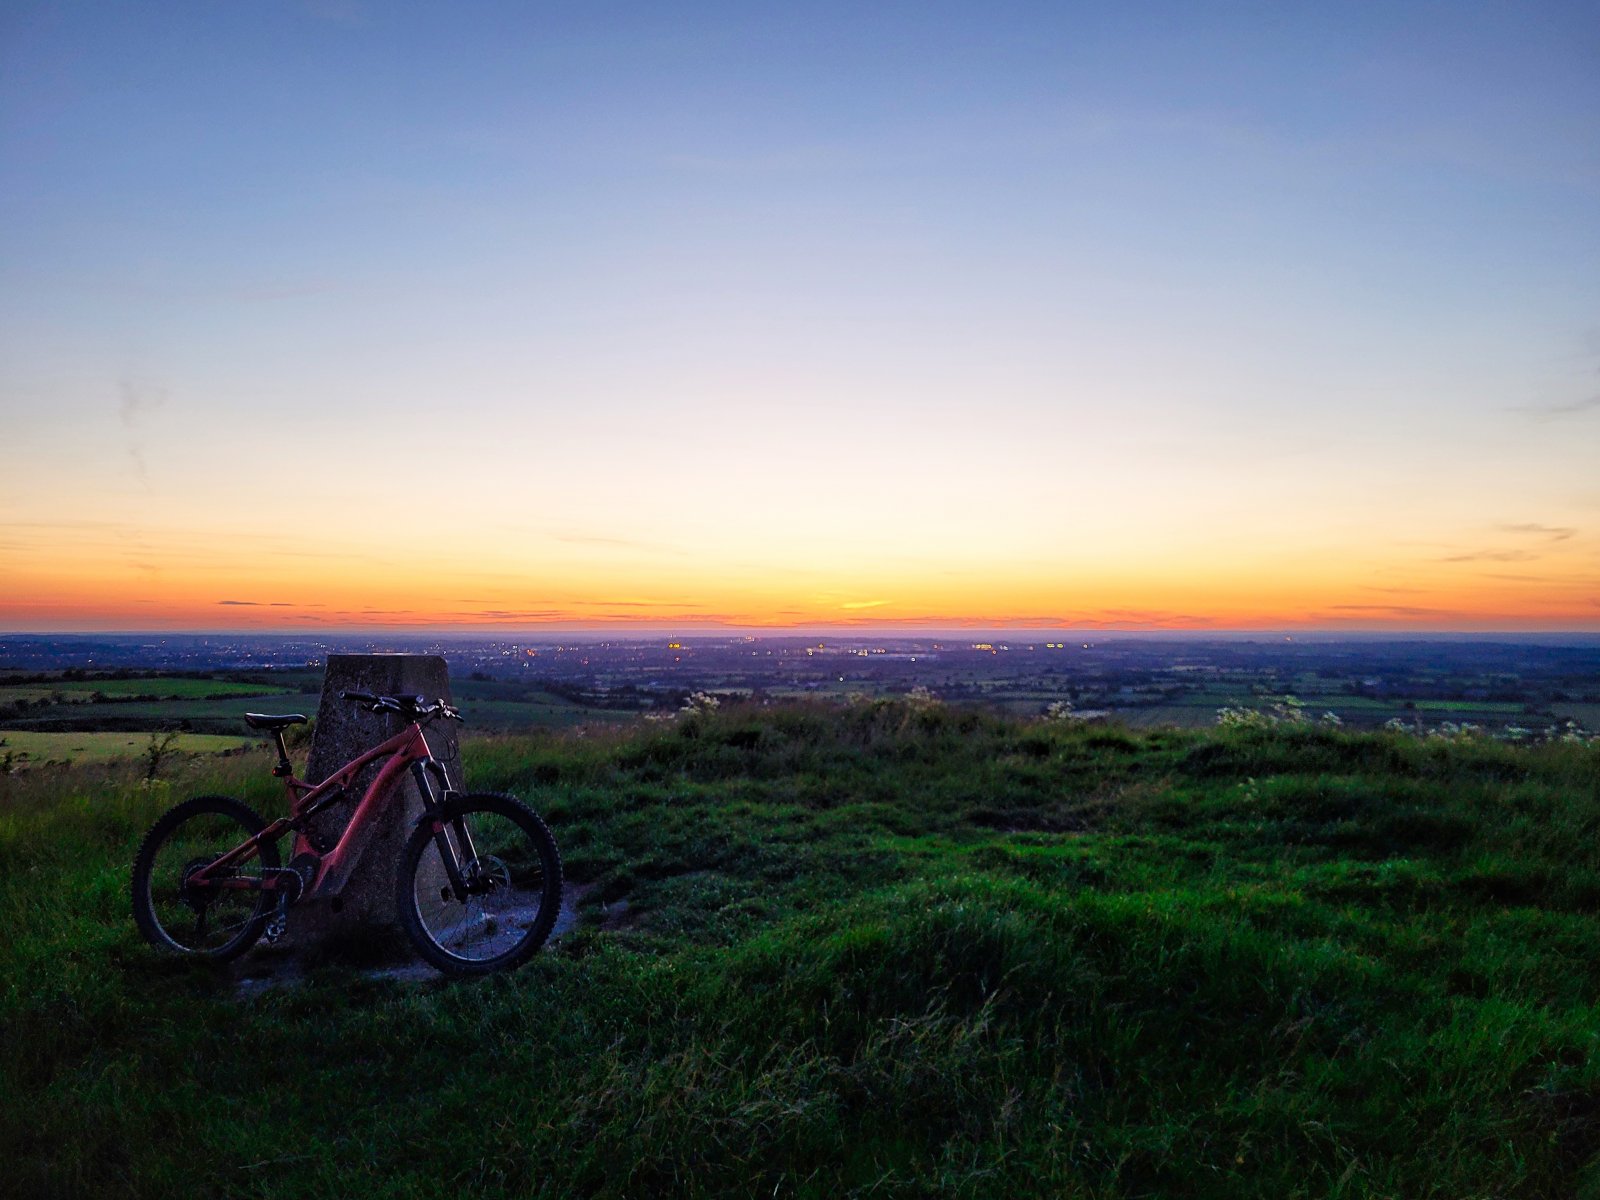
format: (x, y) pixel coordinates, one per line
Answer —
(631, 633)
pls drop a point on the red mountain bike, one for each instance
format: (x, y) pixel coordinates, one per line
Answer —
(477, 889)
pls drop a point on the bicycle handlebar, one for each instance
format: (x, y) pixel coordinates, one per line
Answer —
(415, 708)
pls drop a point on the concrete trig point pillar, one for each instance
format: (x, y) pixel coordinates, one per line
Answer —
(365, 908)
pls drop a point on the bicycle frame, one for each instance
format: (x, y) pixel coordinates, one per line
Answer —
(408, 748)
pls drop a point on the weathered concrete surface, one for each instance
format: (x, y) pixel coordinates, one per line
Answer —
(365, 912)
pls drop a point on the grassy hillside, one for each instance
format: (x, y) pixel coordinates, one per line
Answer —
(888, 949)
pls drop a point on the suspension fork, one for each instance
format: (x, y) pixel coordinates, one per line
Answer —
(426, 771)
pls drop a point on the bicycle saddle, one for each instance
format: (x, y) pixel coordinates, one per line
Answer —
(263, 721)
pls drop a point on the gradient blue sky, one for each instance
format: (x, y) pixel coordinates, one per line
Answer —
(1227, 314)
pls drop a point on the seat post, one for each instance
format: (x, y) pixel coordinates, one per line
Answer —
(284, 768)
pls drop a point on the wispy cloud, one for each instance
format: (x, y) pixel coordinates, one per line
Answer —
(864, 604)
(137, 400)
(1491, 556)
(1548, 534)
(1392, 610)
(1556, 533)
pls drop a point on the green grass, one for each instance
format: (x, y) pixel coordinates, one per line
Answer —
(30, 748)
(888, 950)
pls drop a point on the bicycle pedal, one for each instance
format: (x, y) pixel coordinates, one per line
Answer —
(276, 928)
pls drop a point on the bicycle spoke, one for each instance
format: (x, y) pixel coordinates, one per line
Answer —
(502, 855)
(202, 917)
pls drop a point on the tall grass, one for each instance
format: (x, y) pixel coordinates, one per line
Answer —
(884, 949)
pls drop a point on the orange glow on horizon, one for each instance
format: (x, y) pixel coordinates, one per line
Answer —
(776, 567)
(1242, 602)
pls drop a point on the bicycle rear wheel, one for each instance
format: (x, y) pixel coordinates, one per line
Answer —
(511, 870)
(213, 922)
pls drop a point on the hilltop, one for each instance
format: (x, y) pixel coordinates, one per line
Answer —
(887, 948)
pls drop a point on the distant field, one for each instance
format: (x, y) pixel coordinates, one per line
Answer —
(542, 711)
(832, 689)
(1499, 708)
(1215, 698)
(1179, 716)
(30, 692)
(1338, 702)
(162, 689)
(156, 714)
(218, 706)
(30, 748)
(78, 691)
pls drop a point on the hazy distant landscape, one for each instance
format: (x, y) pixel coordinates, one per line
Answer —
(105, 688)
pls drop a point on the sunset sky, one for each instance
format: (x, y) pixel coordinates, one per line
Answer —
(693, 316)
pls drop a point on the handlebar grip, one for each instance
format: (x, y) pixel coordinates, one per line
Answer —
(365, 697)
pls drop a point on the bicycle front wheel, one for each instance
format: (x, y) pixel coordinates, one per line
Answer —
(211, 921)
(510, 885)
